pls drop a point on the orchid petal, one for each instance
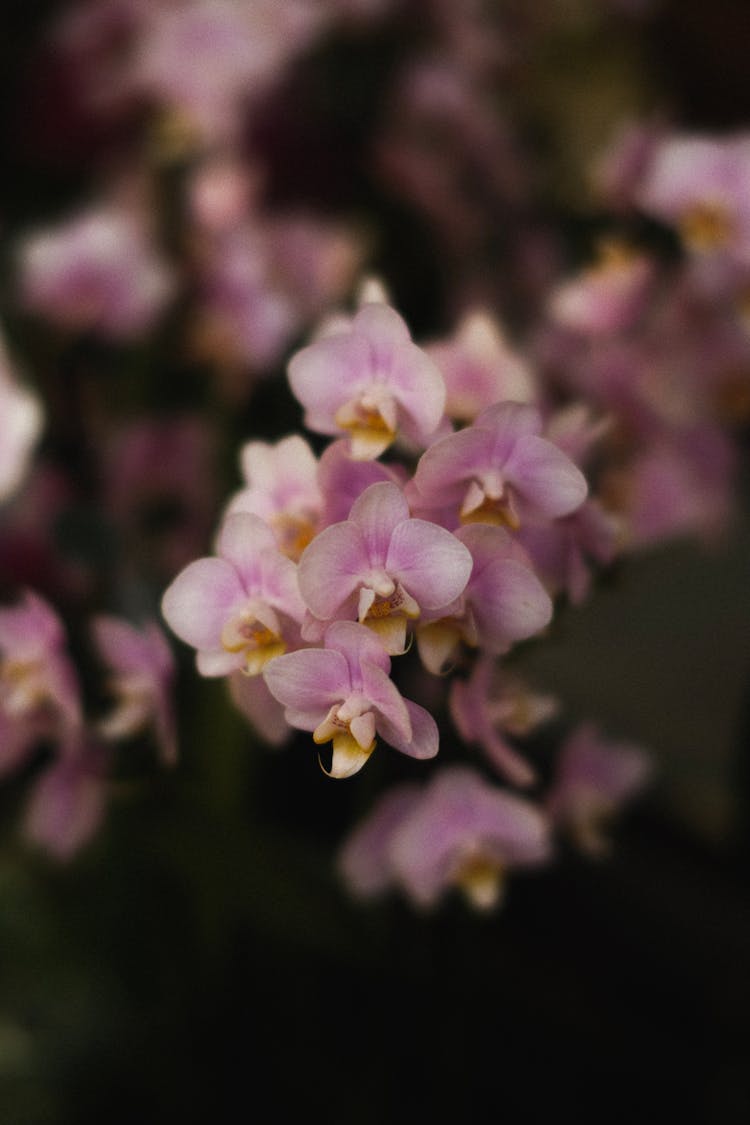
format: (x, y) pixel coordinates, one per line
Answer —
(430, 562)
(545, 477)
(200, 599)
(332, 568)
(310, 680)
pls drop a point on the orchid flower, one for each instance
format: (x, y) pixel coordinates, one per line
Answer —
(457, 832)
(381, 567)
(369, 381)
(241, 609)
(142, 681)
(498, 467)
(502, 602)
(343, 694)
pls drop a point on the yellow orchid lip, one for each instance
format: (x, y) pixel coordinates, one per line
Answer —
(369, 430)
(258, 641)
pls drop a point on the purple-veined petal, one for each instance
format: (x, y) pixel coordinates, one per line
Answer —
(391, 713)
(200, 600)
(309, 681)
(324, 375)
(444, 468)
(378, 512)
(545, 477)
(432, 564)
(332, 567)
(420, 390)
(509, 604)
(425, 739)
(243, 539)
(357, 644)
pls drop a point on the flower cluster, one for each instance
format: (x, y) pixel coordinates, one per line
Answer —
(41, 706)
(576, 391)
(327, 570)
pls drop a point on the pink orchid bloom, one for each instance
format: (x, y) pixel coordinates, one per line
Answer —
(608, 296)
(497, 468)
(702, 185)
(68, 801)
(98, 271)
(479, 368)
(142, 682)
(343, 694)
(503, 601)
(241, 609)
(486, 706)
(283, 489)
(364, 861)
(381, 567)
(371, 382)
(36, 673)
(457, 832)
(204, 59)
(595, 776)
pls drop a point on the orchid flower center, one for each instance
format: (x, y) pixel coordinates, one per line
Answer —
(21, 686)
(371, 422)
(386, 608)
(350, 726)
(707, 225)
(293, 533)
(255, 632)
(482, 880)
(485, 503)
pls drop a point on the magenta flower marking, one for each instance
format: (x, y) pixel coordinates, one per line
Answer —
(241, 609)
(369, 381)
(343, 694)
(381, 567)
(497, 468)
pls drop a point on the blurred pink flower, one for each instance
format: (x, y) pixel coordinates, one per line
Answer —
(480, 368)
(594, 777)
(98, 271)
(457, 832)
(142, 682)
(36, 671)
(490, 704)
(68, 801)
